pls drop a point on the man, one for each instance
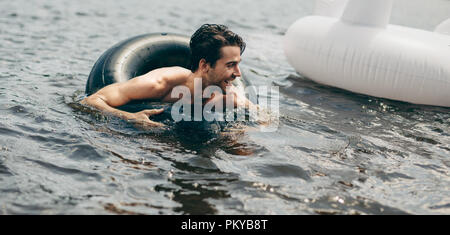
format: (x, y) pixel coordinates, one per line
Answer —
(215, 56)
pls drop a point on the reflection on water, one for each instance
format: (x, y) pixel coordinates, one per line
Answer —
(334, 152)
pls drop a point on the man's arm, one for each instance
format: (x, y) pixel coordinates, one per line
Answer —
(150, 86)
(263, 116)
(236, 96)
(239, 98)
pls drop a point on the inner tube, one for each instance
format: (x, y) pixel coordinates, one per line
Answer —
(139, 55)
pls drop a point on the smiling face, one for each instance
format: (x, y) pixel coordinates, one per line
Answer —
(226, 69)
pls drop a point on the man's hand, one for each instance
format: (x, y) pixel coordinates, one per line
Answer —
(238, 97)
(231, 93)
(142, 118)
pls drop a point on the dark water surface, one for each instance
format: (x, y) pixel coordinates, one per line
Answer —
(334, 151)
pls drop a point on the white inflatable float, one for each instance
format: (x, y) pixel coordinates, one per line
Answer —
(349, 44)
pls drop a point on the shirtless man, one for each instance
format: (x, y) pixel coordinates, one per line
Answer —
(216, 54)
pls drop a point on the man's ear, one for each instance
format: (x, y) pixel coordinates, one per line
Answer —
(203, 65)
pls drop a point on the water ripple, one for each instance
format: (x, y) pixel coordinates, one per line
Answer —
(283, 171)
(81, 175)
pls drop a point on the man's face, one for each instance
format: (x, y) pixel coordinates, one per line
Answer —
(226, 68)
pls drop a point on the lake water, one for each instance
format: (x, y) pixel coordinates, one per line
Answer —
(335, 152)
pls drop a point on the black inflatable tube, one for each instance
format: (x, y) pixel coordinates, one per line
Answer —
(136, 56)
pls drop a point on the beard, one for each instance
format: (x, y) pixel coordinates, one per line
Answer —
(221, 81)
(226, 83)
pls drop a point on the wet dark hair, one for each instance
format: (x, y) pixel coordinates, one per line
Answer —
(207, 41)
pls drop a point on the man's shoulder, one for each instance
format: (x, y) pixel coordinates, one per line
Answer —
(170, 74)
(177, 71)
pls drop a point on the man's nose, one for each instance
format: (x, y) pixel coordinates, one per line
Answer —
(237, 71)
